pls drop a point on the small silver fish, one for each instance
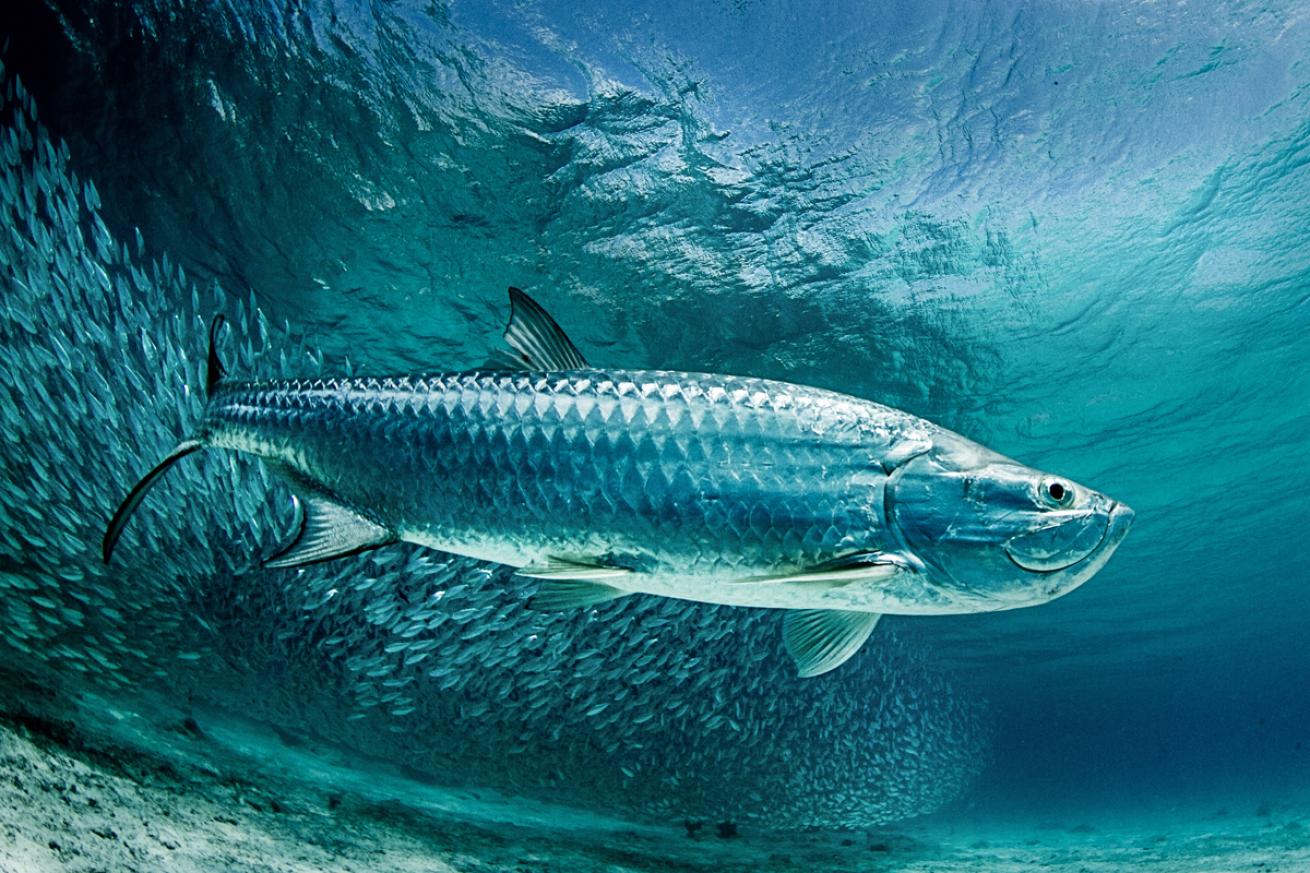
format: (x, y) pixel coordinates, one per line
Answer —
(720, 489)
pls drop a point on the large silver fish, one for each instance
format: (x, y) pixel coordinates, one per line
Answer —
(721, 489)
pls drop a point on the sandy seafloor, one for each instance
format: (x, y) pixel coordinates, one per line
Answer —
(92, 787)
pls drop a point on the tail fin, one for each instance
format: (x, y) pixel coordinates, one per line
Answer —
(214, 372)
(214, 369)
(129, 505)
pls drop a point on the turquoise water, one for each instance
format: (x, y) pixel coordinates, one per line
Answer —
(1074, 232)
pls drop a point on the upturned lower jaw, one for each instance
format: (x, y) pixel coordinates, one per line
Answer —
(1030, 558)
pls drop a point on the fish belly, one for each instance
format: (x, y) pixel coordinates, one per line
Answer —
(683, 478)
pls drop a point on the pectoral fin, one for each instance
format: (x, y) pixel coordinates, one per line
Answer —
(820, 640)
(558, 594)
(581, 569)
(864, 566)
(573, 582)
(328, 530)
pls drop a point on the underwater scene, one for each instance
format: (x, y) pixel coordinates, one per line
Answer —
(891, 453)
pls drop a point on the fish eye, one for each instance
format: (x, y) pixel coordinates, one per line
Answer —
(1056, 493)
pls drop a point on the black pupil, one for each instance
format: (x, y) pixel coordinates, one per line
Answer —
(1056, 490)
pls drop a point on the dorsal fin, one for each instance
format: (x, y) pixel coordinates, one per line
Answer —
(538, 342)
(214, 368)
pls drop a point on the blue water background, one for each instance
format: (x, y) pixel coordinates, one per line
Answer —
(1077, 232)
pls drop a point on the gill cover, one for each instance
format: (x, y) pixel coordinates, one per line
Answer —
(988, 530)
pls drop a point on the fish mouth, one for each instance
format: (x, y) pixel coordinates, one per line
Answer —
(1055, 548)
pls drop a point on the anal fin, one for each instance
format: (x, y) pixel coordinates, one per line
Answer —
(820, 640)
(328, 530)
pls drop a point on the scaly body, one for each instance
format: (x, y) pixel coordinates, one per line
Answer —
(721, 489)
(693, 481)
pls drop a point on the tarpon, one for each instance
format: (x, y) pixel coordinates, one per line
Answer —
(606, 483)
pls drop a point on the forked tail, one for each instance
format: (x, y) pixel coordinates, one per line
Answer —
(214, 372)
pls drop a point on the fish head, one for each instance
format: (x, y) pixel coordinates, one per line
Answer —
(995, 534)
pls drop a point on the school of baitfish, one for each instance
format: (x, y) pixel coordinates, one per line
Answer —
(648, 706)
